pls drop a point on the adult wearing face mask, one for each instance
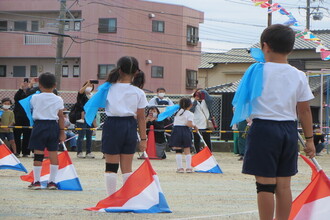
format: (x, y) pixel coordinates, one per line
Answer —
(160, 99)
(84, 95)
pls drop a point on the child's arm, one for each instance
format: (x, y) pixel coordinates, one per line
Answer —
(61, 125)
(305, 117)
(192, 125)
(142, 129)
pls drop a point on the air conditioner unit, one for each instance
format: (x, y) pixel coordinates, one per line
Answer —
(148, 61)
(151, 15)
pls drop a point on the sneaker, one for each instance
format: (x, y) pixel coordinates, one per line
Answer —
(17, 155)
(318, 154)
(90, 155)
(189, 170)
(80, 155)
(241, 158)
(35, 186)
(52, 186)
(180, 170)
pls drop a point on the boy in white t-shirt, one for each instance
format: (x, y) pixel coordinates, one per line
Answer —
(272, 143)
(48, 129)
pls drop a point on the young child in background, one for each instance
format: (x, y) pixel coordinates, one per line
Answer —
(181, 137)
(8, 119)
(124, 103)
(48, 128)
(160, 139)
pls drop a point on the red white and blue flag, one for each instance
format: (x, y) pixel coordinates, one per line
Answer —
(66, 178)
(313, 202)
(205, 162)
(8, 160)
(141, 193)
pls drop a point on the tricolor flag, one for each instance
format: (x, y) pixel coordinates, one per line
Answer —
(205, 162)
(313, 202)
(141, 193)
(8, 160)
(66, 178)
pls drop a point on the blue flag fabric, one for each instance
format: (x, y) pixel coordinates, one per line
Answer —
(25, 103)
(169, 111)
(98, 100)
(249, 88)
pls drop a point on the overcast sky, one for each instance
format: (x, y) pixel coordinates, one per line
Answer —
(223, 34)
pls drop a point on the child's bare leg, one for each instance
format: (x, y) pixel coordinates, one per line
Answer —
(265, 199)
(283, 198)
(13, 146)
(53, 157)
(126, 161)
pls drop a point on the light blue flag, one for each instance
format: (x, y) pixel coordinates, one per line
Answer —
(98, 100)
(25, 103)
(169, 111)
(1, 112)
(249, 88)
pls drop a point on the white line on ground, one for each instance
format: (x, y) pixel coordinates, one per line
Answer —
(212, 216)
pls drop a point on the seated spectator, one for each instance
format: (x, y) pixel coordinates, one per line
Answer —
(318, 139)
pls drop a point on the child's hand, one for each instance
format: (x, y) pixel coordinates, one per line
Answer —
(310, 148)
(143, 145)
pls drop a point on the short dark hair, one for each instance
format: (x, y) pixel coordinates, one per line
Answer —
(279, 38)
(151, 108)
(6, 100)
(161, 89)
(47, 80)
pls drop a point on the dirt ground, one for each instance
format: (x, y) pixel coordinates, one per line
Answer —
(230, 195)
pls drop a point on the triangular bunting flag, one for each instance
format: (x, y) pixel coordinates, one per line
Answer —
(66, 178)
(313, 202)
(8, 160)
(141, 193)
(205, 162)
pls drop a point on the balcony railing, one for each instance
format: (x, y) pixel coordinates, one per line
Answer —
(34, 39)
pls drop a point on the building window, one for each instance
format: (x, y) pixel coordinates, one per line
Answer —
(76, 70)
(34, 26)
(104, 70)
(192, 35)
(20, 26)
(158, 26)
(3, 71)
(191, 79)
(3, 25)
(33, 71)
(157, 72)
(107, 25)
(67, 25)
(77, 25)
(65, 71)
(19, 71)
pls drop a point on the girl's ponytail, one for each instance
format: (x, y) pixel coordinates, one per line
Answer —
(139, 79)
(113, 75)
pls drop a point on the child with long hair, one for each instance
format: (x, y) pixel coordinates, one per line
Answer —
(124, 103)
(181, 137)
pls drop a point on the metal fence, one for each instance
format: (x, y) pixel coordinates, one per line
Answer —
(70, 98)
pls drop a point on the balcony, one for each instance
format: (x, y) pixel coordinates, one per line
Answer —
(34, 39)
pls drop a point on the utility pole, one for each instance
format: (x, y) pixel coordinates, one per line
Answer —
(308, 14)
(59, 48)
(269, 15)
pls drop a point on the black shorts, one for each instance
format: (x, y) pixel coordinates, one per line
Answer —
(271, 149)
(181, 136)
(45, 134)
(119, 135)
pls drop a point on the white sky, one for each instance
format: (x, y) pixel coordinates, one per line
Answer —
(215, 35)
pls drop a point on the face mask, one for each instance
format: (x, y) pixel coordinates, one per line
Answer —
(88, 89)
(35, 85)
(161, 95)
(6, 106)
(154, 114)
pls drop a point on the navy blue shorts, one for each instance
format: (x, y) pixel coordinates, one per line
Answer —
(45, 134)
(271, 149)
(119, 135)
(181, 136)
(9, 136)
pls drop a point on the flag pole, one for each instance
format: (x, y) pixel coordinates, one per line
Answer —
(202, 138)
(313, 159)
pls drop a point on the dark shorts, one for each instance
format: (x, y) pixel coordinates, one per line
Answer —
(271, 149)
(181, 137)
(9, 136)
(119, 135)
(45, 134)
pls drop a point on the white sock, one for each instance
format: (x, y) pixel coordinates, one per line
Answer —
(125, 176)
(188, 161)
(178, 158)
(53, 173)
(37, 173)
(110, 183)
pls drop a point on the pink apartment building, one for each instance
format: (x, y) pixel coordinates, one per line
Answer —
(163, 37)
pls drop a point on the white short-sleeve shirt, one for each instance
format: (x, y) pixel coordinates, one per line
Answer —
(45, 106)
(124, 99)
(283, 87)
(182, 120)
